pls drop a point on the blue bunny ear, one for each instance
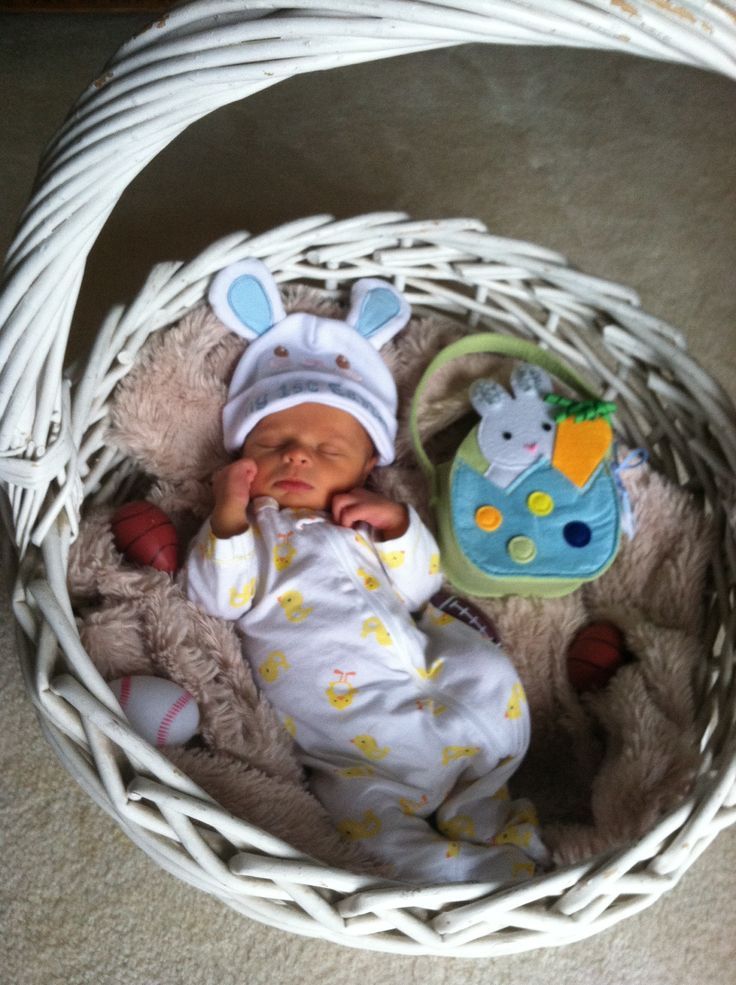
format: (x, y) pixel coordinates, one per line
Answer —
(377, 310)
(245, 297)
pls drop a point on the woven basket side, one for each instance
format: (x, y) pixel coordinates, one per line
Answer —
(197, 58)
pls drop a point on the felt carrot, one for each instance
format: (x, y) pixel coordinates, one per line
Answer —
(583, 436)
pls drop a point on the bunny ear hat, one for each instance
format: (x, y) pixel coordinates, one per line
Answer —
(302, 358)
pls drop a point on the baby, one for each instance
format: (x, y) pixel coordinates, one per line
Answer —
(409, 725)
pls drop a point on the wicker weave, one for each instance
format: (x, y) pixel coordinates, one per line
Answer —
(54, 457)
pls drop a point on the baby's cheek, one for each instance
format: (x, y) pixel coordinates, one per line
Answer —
(259, 482)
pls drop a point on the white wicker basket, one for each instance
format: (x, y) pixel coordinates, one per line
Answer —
(53, 456)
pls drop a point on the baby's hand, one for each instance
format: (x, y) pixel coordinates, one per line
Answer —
(231, 486)
(384, 515)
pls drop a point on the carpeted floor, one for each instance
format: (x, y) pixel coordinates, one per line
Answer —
(626, 166)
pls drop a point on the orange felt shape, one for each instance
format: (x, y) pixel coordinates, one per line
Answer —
(595, 655)
(580, 447)
(144, 534)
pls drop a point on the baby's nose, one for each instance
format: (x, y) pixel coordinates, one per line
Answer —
(296, 453)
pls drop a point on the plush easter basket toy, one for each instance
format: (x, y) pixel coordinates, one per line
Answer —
(55, 459)
(529, 504)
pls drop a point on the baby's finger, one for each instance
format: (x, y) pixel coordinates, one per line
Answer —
(247, 468)
(341, 502)
(352, 514)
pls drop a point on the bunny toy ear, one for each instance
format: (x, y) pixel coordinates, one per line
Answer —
(377, 310)
(530, 381)
(245, 297)
(487, 395)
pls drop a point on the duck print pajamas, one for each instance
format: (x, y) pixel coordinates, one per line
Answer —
(397, 720)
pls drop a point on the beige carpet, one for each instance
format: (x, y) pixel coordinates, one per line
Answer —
(628, 167)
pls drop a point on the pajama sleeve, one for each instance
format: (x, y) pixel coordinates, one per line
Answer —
(221, 576)
(412, 561)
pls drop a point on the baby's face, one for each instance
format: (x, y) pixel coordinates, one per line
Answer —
(308, 453)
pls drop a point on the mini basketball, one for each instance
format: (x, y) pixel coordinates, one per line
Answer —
(594, 656)
(145, 535)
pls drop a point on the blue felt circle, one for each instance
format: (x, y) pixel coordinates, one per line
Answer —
(577, 533)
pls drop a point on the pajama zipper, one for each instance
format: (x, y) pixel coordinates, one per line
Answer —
(384, 613)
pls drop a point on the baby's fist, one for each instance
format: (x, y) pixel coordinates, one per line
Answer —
(231, 487)
(359, 505)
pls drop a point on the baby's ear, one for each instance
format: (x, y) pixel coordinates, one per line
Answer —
(377, 310)
(246, 298)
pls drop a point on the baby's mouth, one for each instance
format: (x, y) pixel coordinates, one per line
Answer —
(293, 485)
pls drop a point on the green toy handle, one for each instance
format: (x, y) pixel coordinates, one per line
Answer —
(502, 345)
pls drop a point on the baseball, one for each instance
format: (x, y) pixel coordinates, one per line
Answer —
(158, 710)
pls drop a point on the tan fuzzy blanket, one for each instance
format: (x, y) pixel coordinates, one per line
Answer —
(600, 768)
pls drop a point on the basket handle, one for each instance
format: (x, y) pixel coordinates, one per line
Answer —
(201, 56)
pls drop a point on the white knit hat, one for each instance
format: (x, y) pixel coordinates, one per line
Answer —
(302, 358)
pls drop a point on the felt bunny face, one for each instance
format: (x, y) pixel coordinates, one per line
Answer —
(303, 358)
(514, 431)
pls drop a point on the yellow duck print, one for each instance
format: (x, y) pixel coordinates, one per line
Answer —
(369, 581)
(362, 542)
(451, 754)
(355, 772)
(434, 671)
(434, 564)
(431, 705)
(283, 552)
(453, 849)
(392, 559)
(501, 794)
(293, 605)
(290, 726)
(369, 747)
(517, 699)
(410, 807)
(273, 665)
(522, 869)
(374, 625)
(512, 835)
(240, 598)
(527, 815)
(355, 829)
(344, 698)
(460, 826)
(438, 618)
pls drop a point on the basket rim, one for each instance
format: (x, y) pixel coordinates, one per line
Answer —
(197, 58)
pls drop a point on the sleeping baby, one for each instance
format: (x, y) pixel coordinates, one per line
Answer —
(408, 721)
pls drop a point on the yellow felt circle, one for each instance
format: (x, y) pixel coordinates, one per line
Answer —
(540, 503)
(488, 518)
(522, 550)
